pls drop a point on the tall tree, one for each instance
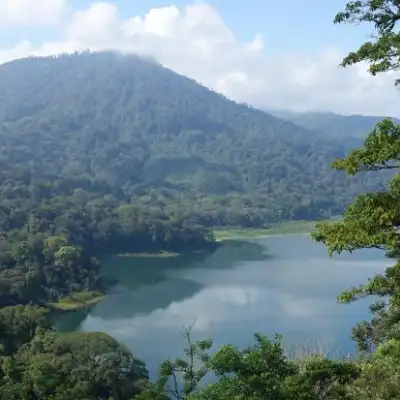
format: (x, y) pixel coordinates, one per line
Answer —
(55, 366)
(373, 219)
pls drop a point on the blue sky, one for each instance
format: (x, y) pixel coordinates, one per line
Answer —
(287, 25)
(303, 26)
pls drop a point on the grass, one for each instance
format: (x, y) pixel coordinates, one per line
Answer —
(161, 254)
(284, 228)
(77, 300)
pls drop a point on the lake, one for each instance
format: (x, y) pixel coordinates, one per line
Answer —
(283, 284)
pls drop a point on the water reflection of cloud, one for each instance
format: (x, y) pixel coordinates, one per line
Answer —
(315, 277)
(268, 298)
(221, 307)
(278, 293)
(205, 307)
(302, 308)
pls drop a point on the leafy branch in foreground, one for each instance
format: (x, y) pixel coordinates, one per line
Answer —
(382, 53)
(373, 219)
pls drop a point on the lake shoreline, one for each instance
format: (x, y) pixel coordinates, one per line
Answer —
(265, 236)
(82, 300)
(284, 229)
(158, 254)
(77, 301)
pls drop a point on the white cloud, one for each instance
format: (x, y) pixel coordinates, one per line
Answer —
(196, 42)
(98, 26)
(31, 12)
(22, 49)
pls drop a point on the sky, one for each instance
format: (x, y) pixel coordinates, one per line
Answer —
(270, 54)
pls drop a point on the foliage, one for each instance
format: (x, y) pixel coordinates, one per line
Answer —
(32, 271)
(382, 54)
(256, 372)
(48, 253)
(380, 375)
(179, 378)
(18, 326)
(134, 132)
(261, 371)
(322, 378)
(294, 227)
(372, 221)
(48, 365)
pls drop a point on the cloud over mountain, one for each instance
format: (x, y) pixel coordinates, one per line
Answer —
(195, 41)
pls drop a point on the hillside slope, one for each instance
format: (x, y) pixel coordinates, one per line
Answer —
(346, 127)
(127, 127)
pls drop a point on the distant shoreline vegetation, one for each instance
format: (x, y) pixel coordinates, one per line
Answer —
(284, 228)
(158, 254)
(222, 234)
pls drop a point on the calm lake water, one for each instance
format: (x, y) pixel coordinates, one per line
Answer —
(285, 284)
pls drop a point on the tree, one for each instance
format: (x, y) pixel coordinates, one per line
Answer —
(373, 219)
(380, 375)
(179, 378)
(53, 243)
(72, 366)
(253, 373)
(261, 371)
(18, 325)
(257, 372)
(383, 54)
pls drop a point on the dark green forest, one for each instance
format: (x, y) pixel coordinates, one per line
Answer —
(126, 127)
(102, 153)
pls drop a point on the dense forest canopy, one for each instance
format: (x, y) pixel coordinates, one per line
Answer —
(132, 130)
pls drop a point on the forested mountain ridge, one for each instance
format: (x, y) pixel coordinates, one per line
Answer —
(130, 128)
(345, 127)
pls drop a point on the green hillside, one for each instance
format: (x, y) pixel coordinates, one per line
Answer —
(128, 128)
(346, 127)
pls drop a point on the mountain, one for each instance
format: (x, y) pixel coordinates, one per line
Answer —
(345, 127)
(128, 130)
